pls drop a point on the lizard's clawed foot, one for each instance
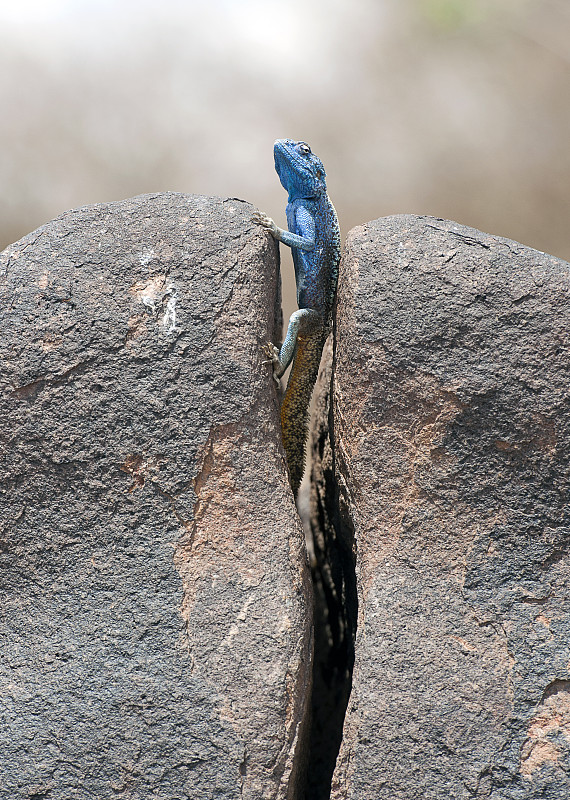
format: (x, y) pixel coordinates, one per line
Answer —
(272, 354)
(266, 222)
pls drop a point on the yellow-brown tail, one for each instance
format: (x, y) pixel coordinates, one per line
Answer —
(295, 406)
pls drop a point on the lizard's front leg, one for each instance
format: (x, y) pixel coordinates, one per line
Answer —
(288, 238)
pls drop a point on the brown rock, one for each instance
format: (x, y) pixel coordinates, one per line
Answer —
(155, 625)
(451, 451)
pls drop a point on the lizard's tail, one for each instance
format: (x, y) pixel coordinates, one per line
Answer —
(295, 407)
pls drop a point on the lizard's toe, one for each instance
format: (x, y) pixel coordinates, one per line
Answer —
(259, 218)
(272, 354)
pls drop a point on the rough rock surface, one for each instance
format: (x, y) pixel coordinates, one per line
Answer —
(451, 444)
(155, 604)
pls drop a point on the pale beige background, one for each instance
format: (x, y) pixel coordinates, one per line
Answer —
(457, 108)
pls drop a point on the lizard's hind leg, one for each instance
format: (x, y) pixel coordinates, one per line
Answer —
(303, 322)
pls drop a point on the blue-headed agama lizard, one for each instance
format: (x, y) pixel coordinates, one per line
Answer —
(314, 239)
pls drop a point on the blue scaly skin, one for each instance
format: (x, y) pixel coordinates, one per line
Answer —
(314, 239)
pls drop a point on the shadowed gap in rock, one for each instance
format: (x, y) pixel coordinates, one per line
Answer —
(335, 610)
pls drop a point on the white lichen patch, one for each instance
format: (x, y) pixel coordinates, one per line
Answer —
(151, 292)
(159, 297)
(169, 318)
(146, 256)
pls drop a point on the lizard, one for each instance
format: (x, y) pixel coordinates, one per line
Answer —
(314, 238)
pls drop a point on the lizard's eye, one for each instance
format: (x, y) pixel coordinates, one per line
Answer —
(319, 174)
(304, 149)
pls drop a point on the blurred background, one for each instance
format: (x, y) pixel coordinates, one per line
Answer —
(455, 108)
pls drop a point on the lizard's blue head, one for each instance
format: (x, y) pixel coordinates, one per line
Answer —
(300, 171)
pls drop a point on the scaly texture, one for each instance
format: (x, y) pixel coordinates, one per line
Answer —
(314, 238)
(294, 410)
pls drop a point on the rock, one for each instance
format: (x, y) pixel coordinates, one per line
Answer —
(334, 587)
(451, 454)
(155, 625)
